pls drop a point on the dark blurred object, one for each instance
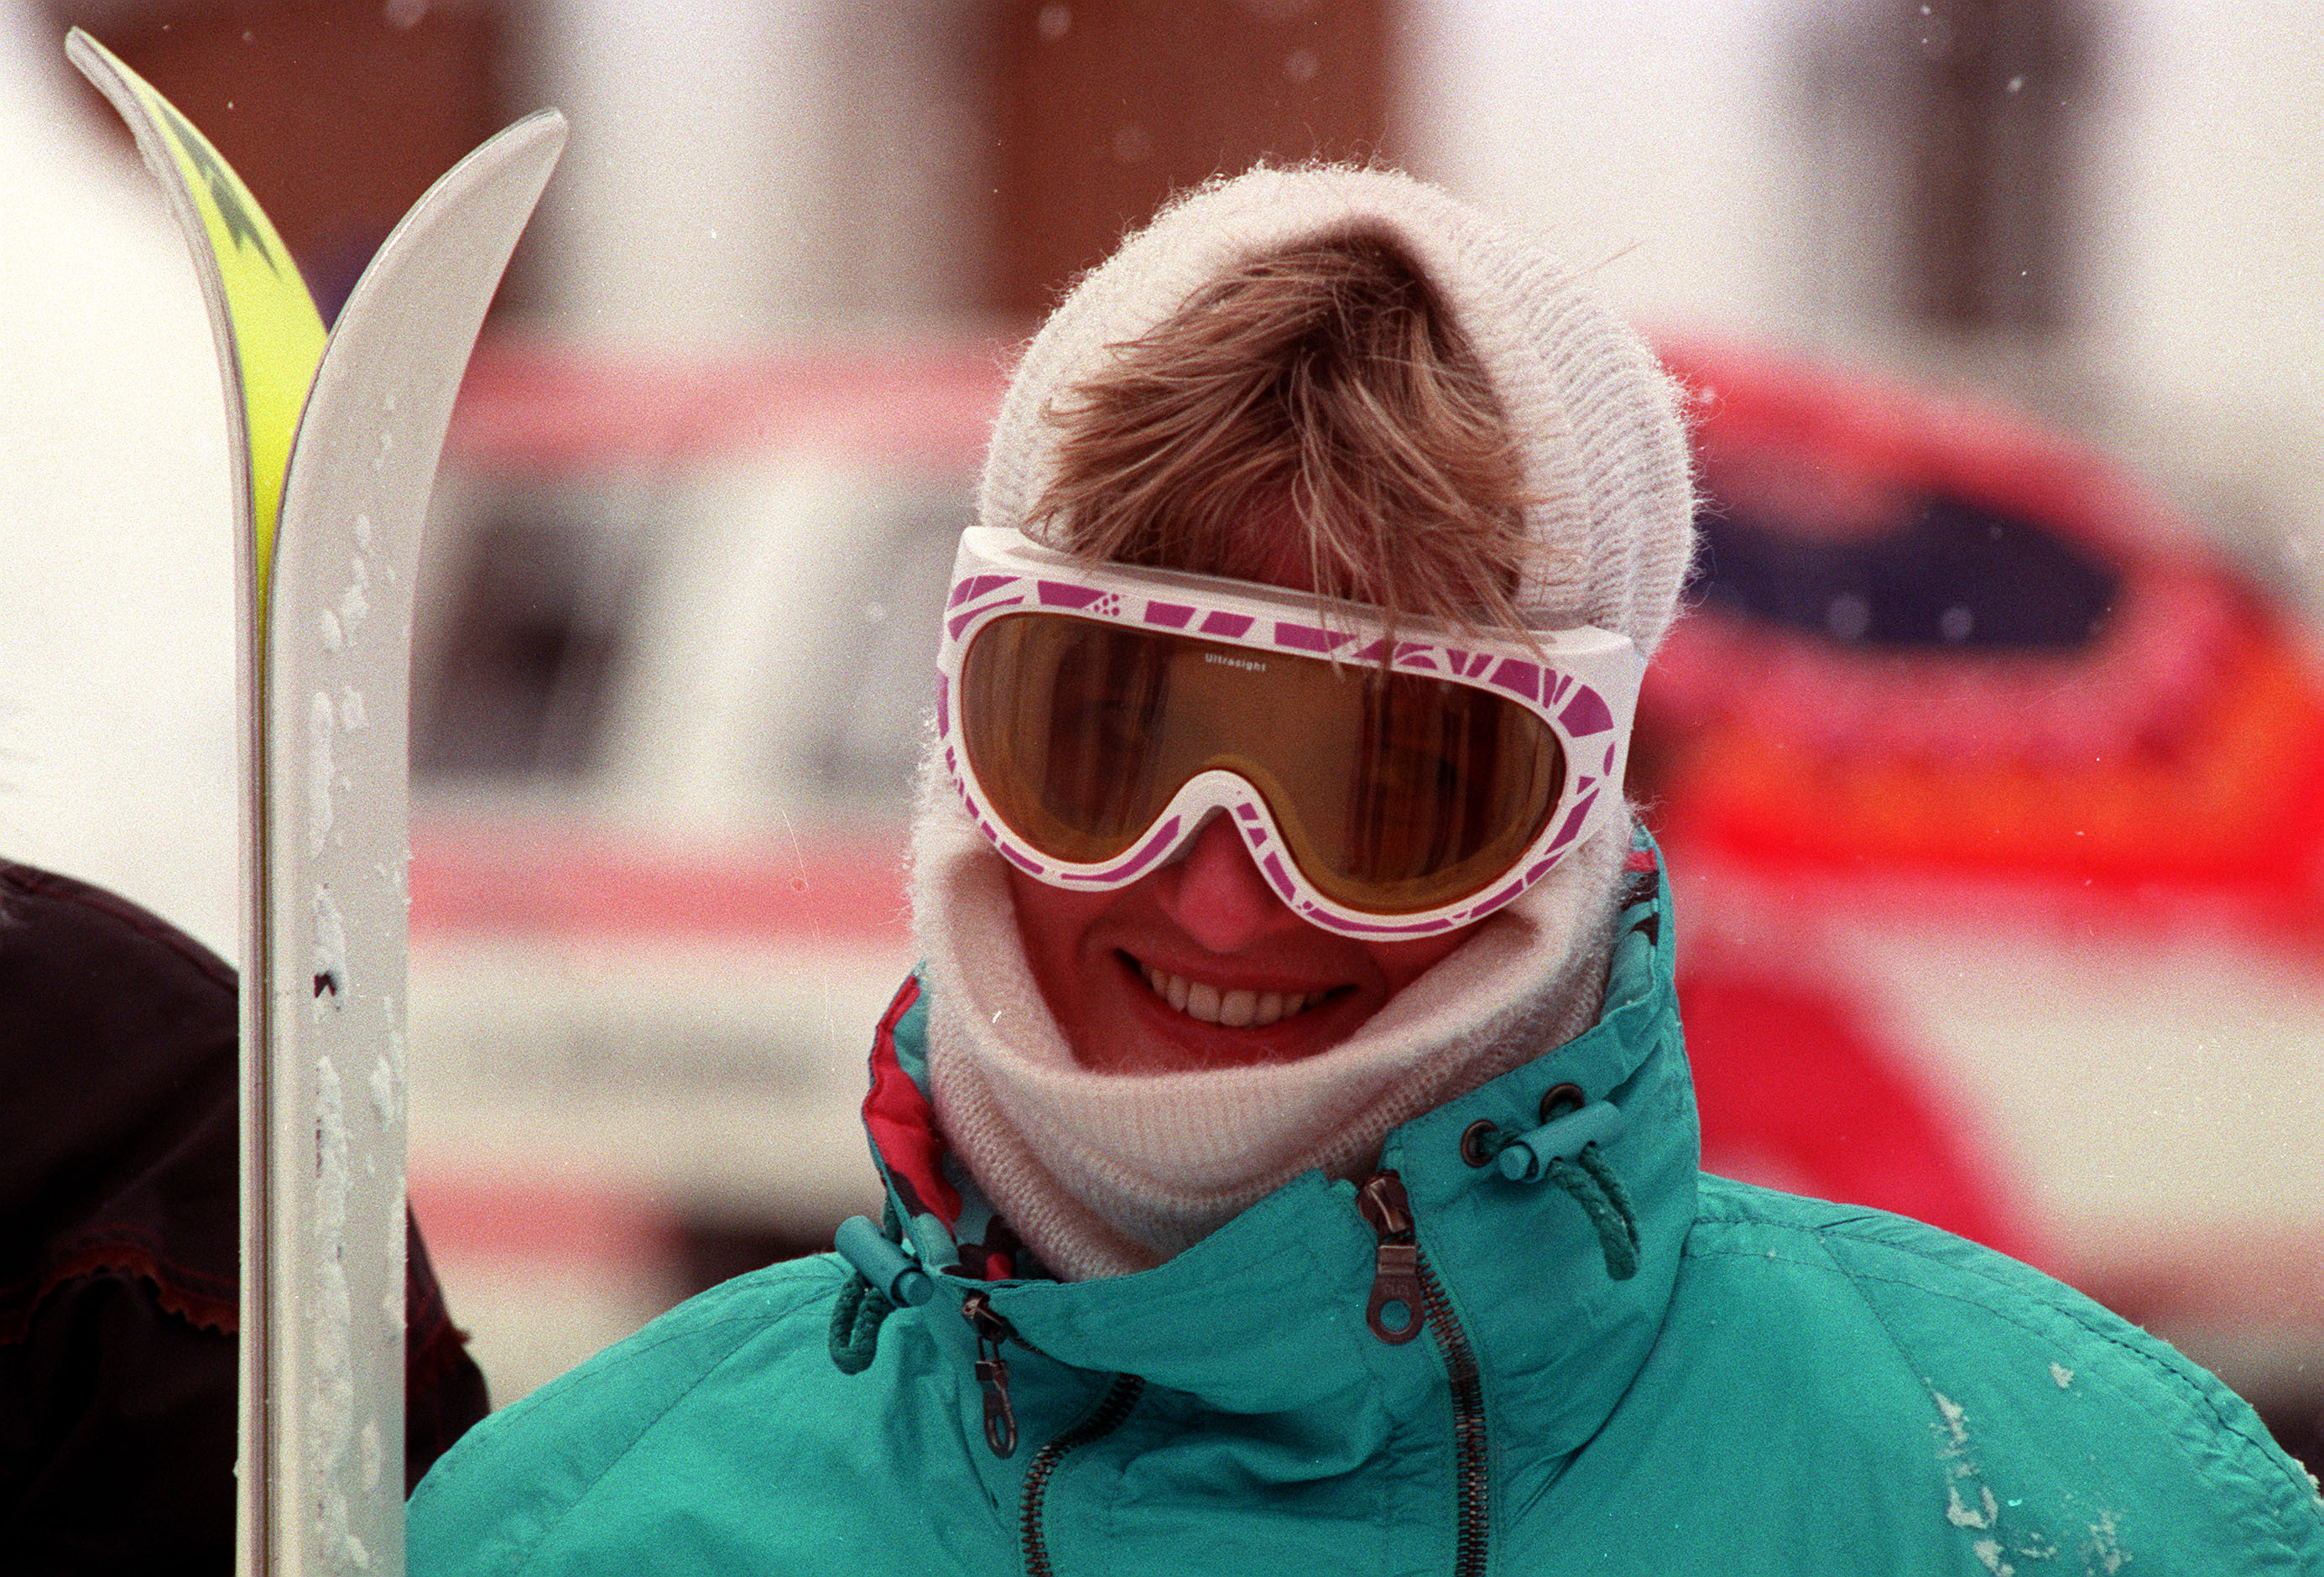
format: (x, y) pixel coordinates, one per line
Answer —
(1103, 109)
(1988, 142)
(337, 114)
(1948, 143)
(118, 1277)
(530, 644)
(2297, 1424)
(711, 1251)
(1990, 147)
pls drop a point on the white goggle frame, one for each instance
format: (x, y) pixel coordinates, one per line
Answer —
(1581, 682)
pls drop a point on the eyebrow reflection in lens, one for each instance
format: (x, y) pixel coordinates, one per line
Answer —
(1105, 708)
(1405, 819)
(1443, 778)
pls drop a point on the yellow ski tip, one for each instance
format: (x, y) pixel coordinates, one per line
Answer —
(269, 337)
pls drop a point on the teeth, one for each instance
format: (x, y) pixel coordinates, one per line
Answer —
(1236, 1010)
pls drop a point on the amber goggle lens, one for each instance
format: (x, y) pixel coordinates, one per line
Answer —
(1395, 792)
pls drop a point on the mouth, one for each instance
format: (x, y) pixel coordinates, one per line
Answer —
(1237, 1008)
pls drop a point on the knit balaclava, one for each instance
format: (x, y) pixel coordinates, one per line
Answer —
(1103, 1173)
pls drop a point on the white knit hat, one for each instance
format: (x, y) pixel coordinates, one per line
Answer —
(1595, 416)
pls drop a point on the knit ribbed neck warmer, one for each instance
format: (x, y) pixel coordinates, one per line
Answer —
(1105, 1174)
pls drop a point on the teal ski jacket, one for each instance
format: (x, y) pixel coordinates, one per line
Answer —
(1510, 1350)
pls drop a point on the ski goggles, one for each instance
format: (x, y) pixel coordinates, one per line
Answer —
(1094, 716)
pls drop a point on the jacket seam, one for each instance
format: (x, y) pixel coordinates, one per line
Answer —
(2259, 1486)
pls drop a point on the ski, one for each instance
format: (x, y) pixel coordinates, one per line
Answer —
(335, 439)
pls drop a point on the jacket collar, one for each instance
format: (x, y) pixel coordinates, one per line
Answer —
(1268, 1314)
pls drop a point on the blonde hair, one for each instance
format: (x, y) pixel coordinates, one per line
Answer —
(1324, 388)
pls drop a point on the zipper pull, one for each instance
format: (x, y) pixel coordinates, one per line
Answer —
(993, 1371)
(1396, 1313)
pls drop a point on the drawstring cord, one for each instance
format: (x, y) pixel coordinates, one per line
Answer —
(1563, 1150)
(884, 1279)
(1603, 1199)
(855, 1323)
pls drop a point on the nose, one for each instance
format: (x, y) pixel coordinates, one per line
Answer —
(1218, 899)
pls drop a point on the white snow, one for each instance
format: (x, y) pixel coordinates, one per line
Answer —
(1954, 1419)
(1960, 1516)
(2105, 1549)
(385, 1094)
(1984, 1517)
(391, 1292)
(330, 1157)
(330, 956)
(322, 720)
(330, 1417)
(355, 605)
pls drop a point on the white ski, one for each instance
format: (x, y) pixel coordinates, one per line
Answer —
(327, 600)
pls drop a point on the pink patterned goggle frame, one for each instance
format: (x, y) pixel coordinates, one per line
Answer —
(1583, 682)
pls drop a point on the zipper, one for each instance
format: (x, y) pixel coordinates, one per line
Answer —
(1110, 1411)
(993, 1371)
(1401, 1274)
(1467, 1424)
(1398, 1308)
(1001, 1421)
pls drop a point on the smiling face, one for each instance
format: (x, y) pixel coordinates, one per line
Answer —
(1199, 965)
(1312, 414)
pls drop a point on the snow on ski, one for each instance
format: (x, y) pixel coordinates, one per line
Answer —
(334, 501)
